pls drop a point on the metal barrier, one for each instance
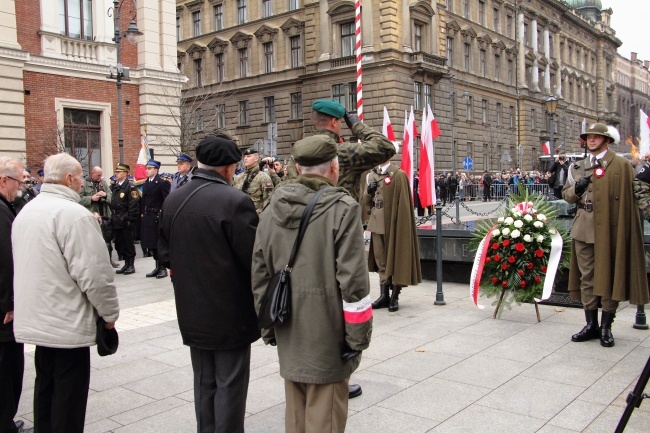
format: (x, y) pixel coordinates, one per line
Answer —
(498, 191)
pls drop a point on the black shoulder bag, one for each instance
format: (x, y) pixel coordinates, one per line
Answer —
(276, 303)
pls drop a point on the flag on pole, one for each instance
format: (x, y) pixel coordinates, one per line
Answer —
(357, 31)
(143, 157)
(387, 127)
(434, 133)
(584, 125)
(644, 139)
(410, 132)
(546, 148)
(427, 190)
(435, 129)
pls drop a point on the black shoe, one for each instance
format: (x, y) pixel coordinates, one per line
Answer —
(354, 391)
(153, 273)
(606, 337)
(162, 272)
(130, 269)
(383, 299)
(589, 332)
(123, 268)
(394, 298)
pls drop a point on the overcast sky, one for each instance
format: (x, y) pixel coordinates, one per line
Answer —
(630, 20)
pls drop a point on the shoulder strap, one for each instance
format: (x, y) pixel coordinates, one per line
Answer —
(304, 221)
(184, 202)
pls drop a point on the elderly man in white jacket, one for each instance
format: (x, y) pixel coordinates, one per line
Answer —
(58, 300)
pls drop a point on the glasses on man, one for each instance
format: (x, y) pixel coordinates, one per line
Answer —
(9, 177)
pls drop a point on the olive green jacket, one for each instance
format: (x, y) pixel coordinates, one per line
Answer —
(259, 186)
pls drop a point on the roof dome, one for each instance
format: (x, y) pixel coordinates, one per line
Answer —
(580, 4)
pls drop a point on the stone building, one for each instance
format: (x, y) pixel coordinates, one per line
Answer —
(55, 93)
(633, 91)
(484, 66)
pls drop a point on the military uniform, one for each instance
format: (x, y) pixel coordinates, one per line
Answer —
(154, 193)
(257, 185)
(125, 207)
(102, 207)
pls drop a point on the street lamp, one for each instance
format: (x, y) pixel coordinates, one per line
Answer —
(551, 106)
(118, 72)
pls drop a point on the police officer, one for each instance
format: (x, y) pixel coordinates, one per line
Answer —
(184, 164)
(154, 192)
(254, 182)
(125, 206)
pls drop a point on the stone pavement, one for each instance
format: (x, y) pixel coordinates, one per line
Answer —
(429, 368)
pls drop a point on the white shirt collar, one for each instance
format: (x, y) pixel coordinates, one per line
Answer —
(383, 168)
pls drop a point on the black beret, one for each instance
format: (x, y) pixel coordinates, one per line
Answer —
(217, 152)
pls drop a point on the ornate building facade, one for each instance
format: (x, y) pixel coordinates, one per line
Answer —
(55, 91)
(633, 90)
(485, 67)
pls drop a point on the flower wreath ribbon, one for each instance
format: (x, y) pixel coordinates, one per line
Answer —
(477, 268)
(553, 264)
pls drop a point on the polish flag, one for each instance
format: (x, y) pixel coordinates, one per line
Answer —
(143, 157)
(644, 140)
(427, 190)
(546, 148)
(435, 130)
(387, 127)
(410, 132)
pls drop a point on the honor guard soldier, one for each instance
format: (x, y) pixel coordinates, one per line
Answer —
(607, 257)
(125, 205)
(254, 182)
(394, 252)
(184, 175)
(154, 192)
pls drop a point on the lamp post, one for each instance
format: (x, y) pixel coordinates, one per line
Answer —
(118, 72)
(551, 106)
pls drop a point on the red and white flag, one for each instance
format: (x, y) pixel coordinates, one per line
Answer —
(143, 157)
(644, 139)
(427, 186)
(435, 129)
(410, 132)
(546, 148)
(387, 127)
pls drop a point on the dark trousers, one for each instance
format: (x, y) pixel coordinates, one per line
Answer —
(220, 389)
(12, 365)
(557, 192)
(487, 193)
(124, 243)
(61, 389)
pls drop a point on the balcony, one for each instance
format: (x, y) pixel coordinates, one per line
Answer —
(432, 59)
(343, 61)
(77, 50)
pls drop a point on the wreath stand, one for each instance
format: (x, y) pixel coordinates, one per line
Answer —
(503, 292)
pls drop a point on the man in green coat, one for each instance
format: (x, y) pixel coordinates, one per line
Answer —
(96, 196)
(254, 182)
(607, 254)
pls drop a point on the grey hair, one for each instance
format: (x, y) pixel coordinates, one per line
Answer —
(57, 166)
(320, 169)
(11, 167)
(205, 166)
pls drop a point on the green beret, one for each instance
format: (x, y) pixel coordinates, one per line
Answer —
(250, 151)
(314, 150)
(328, 107)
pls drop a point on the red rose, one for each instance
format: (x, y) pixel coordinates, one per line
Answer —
(506, 242)
(504, 283)
(511, 259)
(520, 247)
(487, 259)
(530, 266)
(539, 253)
(496, 258)
(522, 284)
(495, 246)
(495, 280)
(520, 272)
(538, 280)
(504, 266)
(544, 269)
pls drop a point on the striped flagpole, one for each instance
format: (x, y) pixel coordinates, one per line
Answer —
(357, 22)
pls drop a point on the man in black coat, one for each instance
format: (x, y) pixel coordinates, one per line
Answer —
(210, 249)
(154, 192)
(12, 357)
(487, 186)
(559, 173)
(125, 207)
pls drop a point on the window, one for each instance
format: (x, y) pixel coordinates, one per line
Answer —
(533, 119)
(481, 12)
(352, 96)
(512, 116)
(511, 73)
(449, 5)
(482, 63)
(296, 105)
(417, 95)
(76, 18)
(218, 17)
(466, 9)
(499, 113)
(484, 111)
(338, 93)
(82, 137)
(468, 108)
(243, 62)
(496, 20)
(221, 116)
(296, 51)
(267, 7)
(198, 81)
(450, 52)
(268, 57)
(417, 37)
(241, 11)
(497, 67)
(347, 39)
(178, 28)
(294, 5)
(550, 46)
(509, 26)
(427, 95)
(196, 20)
(269, 109)
(220, 67)
(200, 120)
(467, 57)
(243, 112)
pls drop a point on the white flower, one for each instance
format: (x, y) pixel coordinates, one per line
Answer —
(517, 214)
(541, 217)
(527, 238)
(505, 231)
(533, 211)
(519, 224)
(540, 238)
(500, 219)
(515, 234)
(528, 218)
(552, 231)
(538, 224)
(496, 232)
(509, 221)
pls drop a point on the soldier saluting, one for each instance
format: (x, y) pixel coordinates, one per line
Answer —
(125, 207)
(254, 182)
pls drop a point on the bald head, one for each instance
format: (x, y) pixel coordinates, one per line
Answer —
(96, 174)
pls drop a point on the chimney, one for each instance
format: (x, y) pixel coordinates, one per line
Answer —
(633, 56)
